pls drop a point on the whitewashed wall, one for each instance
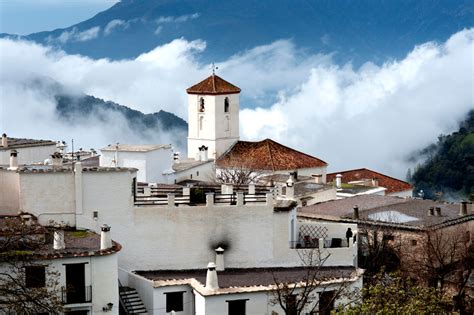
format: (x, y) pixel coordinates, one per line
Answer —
(9, 192)
(203, 172)
(28, 155)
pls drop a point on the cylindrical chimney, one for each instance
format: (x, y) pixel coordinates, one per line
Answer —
(339, 181)
(356, 212)
(105, 239)
(463, 208)
(431, 211)
(58, 242)
(220, 259)
(438, 211)
(13, 160)
(211, 277)
(4, 140)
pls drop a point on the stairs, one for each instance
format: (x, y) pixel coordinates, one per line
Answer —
(131, 301)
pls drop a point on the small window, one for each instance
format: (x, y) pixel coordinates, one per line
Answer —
(174, 301)
(413, 242)
(388, 237)
(227, 123)
(201, 105)
(190, 176)
(197, 173)
(226, 105)
(35, 276)
(237, 307)
(201, 122)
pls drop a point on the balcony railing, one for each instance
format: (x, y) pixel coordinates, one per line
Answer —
(74, 295)
(308, 242)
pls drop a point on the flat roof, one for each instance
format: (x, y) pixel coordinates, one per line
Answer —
(17, 143)
(397, 211)
(186, 164)
(65, 168)
(79, 243)
(135, 147)
(250, 277)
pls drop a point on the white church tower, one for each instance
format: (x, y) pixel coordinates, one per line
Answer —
(213, 117)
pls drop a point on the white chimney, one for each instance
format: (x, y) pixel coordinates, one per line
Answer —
(58, 242)
(13, 160)
(4, 140)
(211, 277)
(220, 259)
(57, 158)
(105, 239)
(375, 182)
(338, 181)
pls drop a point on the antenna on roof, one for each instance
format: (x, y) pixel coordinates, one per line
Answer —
(214, 68)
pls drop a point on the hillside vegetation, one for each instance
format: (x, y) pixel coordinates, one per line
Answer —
(448, 172)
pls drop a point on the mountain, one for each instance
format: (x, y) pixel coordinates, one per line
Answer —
(354, 30)
(448, 172)
(77, 109)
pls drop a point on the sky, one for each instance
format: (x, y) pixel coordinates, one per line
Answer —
(23, 17)
(373, 116)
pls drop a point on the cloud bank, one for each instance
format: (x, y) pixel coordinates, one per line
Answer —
(371, 117)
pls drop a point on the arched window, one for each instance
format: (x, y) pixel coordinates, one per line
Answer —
(227, 123)
(201, 105)
(226, 105)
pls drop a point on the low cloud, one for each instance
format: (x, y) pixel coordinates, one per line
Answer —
(74, 35)
(114, 25)
(177, 19)
(373, 116)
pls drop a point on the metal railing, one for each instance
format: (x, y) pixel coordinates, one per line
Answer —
(307, 242)
(74, 295)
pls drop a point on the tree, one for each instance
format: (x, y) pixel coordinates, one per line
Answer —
(396, 294)
(306, 296)
(444, 256)
(27, 286)
(237, 172)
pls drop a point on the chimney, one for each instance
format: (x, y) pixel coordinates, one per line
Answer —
(463, 208)
(318, 178)
(13, 160)
(203, 153)
(431, 211)
(4, 140)
(211, 277)
(219, 259)
(356, 212)
(58, 242)
(105, 239)
(57, 158)
(438, 211)
(338, 181)
(176, 157)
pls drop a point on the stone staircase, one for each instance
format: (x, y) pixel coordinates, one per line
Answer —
(131, 301)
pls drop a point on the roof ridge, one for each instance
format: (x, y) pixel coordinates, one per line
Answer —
(214, 82)
(364, 168)
(270, 153)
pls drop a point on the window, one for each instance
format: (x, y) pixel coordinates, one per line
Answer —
(201, 105)
(236, 307)
(174, 301)
(190, 176)
(35, 276)
(226, 105)
(197, 173)
(413, 242)
(388, 237)
(326, 302)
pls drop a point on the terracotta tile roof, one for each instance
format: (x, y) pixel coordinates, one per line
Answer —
(266, 155)
(392, 184)
(213, 85)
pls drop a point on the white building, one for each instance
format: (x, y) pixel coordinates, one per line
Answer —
(213, 117)
(29, 151)
(151, 160)
(77, 267)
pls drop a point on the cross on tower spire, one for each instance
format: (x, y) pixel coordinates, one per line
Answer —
(214, 68)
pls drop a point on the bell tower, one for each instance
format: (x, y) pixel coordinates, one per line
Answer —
(213, 117)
